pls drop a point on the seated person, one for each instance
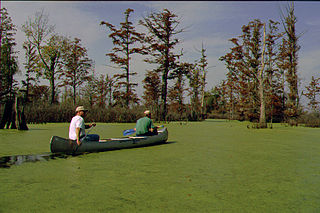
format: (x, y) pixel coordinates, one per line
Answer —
(144, 126)
(77, 127)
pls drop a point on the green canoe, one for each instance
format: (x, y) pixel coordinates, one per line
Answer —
(62, 145)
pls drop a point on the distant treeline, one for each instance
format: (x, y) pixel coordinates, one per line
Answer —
(63, 112)
(40, 112)
(261, 82)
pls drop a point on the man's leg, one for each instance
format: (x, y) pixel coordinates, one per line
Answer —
(92, 137)
(155, 131)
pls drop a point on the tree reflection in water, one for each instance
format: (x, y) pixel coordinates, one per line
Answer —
(8, 161)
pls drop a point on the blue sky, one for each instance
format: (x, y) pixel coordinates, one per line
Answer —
(209, 22)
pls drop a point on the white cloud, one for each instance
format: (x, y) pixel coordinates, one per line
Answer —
(309, 65)
(68, 21)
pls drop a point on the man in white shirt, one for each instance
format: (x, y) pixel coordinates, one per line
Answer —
(77, 127)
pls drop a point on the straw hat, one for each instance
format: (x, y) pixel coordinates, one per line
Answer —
(147, 112)
(81, 108)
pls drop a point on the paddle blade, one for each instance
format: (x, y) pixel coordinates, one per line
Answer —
(128, 132)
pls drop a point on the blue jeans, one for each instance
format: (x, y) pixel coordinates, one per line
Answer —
(92, 137)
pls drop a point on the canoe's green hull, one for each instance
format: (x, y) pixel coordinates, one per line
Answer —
(62, 145)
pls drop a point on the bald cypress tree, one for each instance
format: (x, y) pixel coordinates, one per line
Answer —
(313, 90)
(49, 47)
(290, 64)
(152, 92)
(126, 43)
(161, 40)
(8, 66)
(202, 63)
(77, 66)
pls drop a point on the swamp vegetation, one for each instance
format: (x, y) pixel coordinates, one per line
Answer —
(210, 166)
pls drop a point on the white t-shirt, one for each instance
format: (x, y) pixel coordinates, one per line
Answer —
(77, 121)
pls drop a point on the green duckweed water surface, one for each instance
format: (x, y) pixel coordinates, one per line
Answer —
(211, 166)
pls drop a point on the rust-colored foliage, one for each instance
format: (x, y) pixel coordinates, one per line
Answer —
(77, 66)
(126, 41)
(160, 43)
(313, 91)
(152, 92)
(253, 79)
(289, 54)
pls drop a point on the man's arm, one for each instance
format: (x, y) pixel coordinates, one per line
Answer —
(152, 127)
(90, 125)
(78, 135)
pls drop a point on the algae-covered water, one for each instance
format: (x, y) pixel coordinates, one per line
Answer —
(211, 166)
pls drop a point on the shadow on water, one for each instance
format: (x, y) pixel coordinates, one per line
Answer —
(8, 161)
(170, 142)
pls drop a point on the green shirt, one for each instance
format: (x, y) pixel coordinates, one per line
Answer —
(143, 125)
